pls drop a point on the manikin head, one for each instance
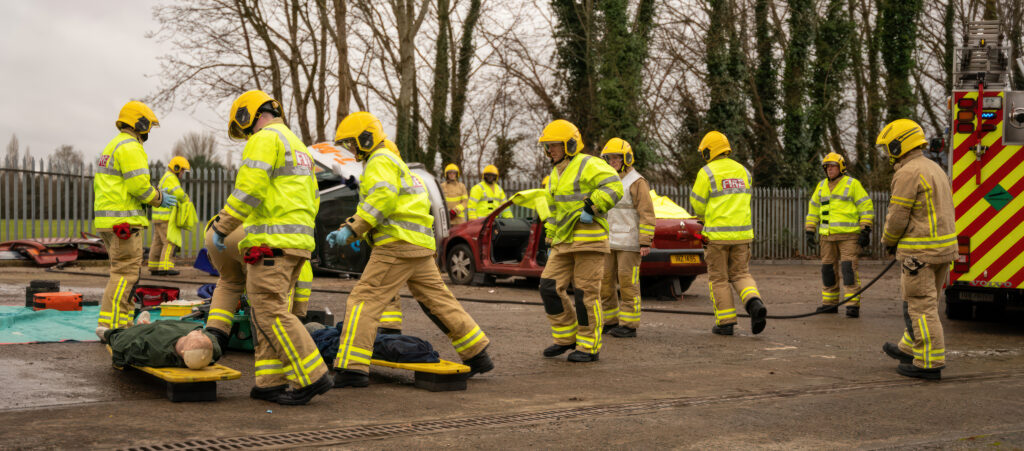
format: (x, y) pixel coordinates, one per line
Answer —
(195, 349)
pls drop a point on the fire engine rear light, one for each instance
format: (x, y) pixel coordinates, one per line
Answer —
(963, 263)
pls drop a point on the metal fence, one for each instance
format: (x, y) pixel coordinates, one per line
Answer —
(36, 201)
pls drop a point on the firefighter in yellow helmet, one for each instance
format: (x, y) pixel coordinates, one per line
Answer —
(394, 216)
(841, 211)
(487, 196)
(275, 202)
(231, 285)
(121, 187)
(721, 196)
(631, 223)
(582, 190)
(161, 251)
(920, 230)
(455, 196)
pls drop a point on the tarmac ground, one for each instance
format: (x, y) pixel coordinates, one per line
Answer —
(820, 382)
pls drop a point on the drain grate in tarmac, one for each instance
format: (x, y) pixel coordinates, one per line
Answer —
(341, 435)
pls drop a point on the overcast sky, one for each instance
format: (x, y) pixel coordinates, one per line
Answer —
(69, 66)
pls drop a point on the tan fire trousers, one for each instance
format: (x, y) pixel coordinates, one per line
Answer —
(729, 264)
(118, 308)
(622, 304)
(231, 283)
(376, 292)
(921, 284)
(161, 251)
(839, 259)
(284, 349)
(574, 320)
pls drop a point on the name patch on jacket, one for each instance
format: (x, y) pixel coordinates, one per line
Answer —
(303, 160)
(733, 183)
(104, 159)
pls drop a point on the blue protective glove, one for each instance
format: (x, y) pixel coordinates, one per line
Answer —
(586, 218)
(169, 200)
(340, 236)
(218, 241)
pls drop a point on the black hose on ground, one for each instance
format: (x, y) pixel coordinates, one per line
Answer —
(499, 301)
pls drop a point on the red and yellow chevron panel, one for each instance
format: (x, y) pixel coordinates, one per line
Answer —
(988, 193)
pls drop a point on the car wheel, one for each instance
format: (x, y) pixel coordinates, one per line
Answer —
(684, 284)
(460, 265)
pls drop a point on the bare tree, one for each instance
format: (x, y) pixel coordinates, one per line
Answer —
(67, 160)
(200, 149)
(13, 149)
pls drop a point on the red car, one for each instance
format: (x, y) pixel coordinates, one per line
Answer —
(478, 251)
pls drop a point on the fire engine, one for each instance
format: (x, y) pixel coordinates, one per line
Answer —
(987, 171)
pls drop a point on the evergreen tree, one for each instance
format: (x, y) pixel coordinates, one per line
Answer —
(727, 110)
(832, 45)
(797, 154)
(897, 33)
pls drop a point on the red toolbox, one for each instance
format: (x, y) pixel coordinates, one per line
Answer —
(64, 301)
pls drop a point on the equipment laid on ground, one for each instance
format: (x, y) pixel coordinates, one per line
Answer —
(986, 168)
(64, 301)
(441, 376)
(185, 385)
(39, 286)
(153, 295)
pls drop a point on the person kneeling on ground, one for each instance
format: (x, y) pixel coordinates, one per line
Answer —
(170, 343)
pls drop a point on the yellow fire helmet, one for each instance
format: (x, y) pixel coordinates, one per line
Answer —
(179, 164)
(491, 169)
(562, 131)
(899, 137)
(246, 109)
(360, 132)
(619, 146)
(137, 116)
(452, 167)
(713, 144)
(833, 157)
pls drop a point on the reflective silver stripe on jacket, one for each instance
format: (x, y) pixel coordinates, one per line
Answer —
(729, 228)
(726, 191)
(247, 198)
(408, 226)
(381, 185)
(280, 228)
(287, 146)
(711, 179)
(304, 285)
(373, 211)
(118, 214)
(146, 194)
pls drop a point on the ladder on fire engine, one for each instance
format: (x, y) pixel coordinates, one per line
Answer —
(983, 57)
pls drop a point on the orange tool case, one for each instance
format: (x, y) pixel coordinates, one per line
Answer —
(64, 301)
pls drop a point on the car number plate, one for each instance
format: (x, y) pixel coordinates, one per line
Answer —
(976, 297)
(684, 259)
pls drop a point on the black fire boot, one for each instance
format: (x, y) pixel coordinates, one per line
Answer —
(303, 395)
(758, 313)
(478, 364)
(351, 378)
(171, 272)
(580, 356)
(607, 328)
(623, 332)
(725, 329)
(222, 338)
(827, 308)
(557, 350)
(853, 311)
(268, 393)
(893, 350)
(388, 331)
(909, 370)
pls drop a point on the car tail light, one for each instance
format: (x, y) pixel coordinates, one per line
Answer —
(963, 263)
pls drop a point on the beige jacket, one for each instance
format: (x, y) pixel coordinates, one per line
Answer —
(921, 221)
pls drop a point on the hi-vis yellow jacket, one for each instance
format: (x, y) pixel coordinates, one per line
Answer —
(585, 177)
(842, 210)
(485, 198)
(276, 197)
(721, 194)
(121, 184)
(170, 183)
(395, 205)
(920, 221)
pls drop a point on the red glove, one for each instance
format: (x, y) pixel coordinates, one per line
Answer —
(453, 214)
(254, 254)
(123, 230)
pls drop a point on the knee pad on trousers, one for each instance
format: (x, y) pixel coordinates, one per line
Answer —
(906, 318)
(581, 309)
(849, 278)
(548, 294)
(828, 275)
(434, 318)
